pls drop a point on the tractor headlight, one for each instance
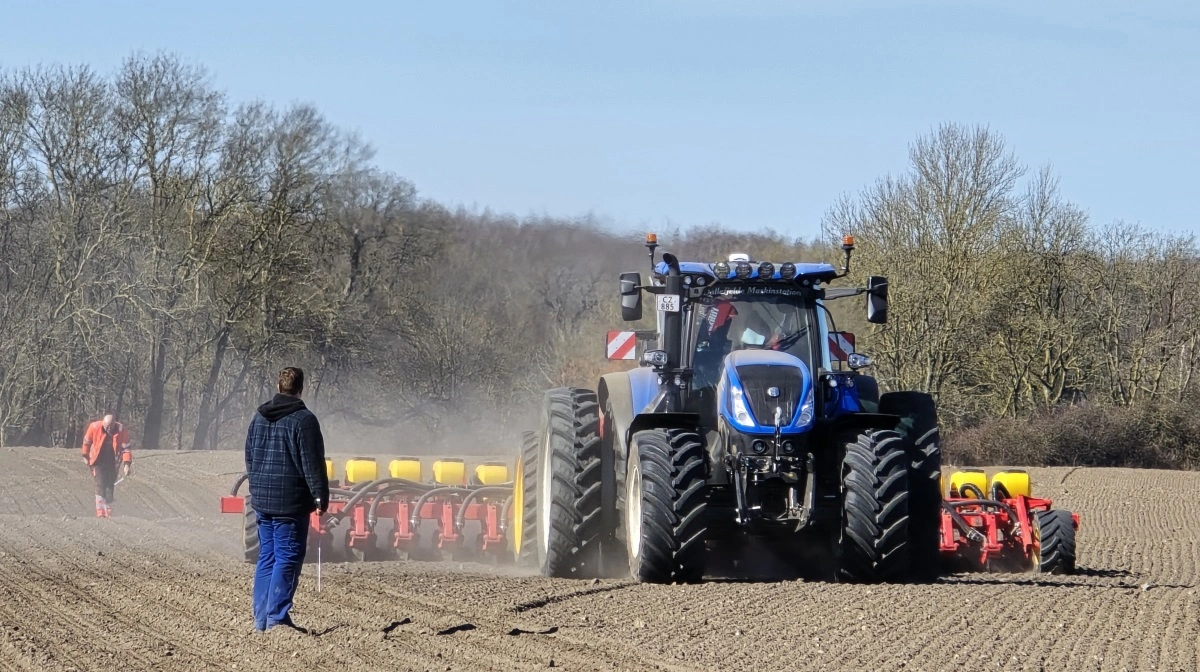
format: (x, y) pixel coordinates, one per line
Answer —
(721, 268)
(787, 271)
(655, 358)
(766, 270)
(806, 409)
(759, 447)
(743, 270)
(741, 413)
(789, 447)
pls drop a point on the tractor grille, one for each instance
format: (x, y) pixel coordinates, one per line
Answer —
(758, 378)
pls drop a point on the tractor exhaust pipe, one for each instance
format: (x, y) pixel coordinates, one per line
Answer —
(673, 331)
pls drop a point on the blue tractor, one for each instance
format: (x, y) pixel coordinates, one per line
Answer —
(736, 423)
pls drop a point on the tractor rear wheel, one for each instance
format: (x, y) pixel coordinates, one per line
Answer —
(568, 484)
(1054, 542)
(922, 442)
(250, 543)
(664, 506)
(523, 532)
(873, 544)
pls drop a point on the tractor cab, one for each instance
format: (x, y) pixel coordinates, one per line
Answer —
(707, 311)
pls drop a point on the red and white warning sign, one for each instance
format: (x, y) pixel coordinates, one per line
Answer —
(622, 344)
(841, 344)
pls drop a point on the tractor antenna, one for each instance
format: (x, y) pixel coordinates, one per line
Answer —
(651, 244)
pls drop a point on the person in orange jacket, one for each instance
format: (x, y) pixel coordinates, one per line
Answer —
(105, 444)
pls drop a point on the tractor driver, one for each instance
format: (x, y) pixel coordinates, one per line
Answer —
(757, 333)
(105, 443)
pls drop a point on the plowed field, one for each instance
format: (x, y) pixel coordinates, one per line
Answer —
(161, 586)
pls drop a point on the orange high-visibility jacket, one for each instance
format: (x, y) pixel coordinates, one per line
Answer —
(93, 441)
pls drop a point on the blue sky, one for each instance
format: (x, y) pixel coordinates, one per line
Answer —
(659, 113)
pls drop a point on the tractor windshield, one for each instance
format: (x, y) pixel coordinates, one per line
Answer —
(723, 323)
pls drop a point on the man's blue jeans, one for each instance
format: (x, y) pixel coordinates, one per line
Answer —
(283, 541)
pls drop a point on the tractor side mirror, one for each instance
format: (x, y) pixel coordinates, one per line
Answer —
(631, 297)
(877, 299)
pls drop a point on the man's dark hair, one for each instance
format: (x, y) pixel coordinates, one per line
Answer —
(291, 381)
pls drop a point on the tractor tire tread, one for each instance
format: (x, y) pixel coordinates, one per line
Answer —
(251, 546)
(574, 458)
(922, 437)
(673, 465)
(875, 544)
(1056, 531)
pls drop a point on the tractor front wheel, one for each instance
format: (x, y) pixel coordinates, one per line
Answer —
(873, 544)
(1054, 542)
(664, 506)
(567, 502)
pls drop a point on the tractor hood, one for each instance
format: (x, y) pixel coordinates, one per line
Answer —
(757, 384)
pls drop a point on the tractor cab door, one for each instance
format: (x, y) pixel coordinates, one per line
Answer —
(710, 340)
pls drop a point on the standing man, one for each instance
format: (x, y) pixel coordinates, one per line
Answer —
(285, 465)
(105, 443)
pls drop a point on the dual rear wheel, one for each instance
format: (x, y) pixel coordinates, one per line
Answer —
(557, 491)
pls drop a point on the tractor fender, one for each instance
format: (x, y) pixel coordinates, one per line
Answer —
(644, 387)
(641, 421)
(616, 392)
(616, 399)
(628, 393)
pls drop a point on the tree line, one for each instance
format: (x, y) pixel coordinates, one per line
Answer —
(1006, 301)
(164, 251)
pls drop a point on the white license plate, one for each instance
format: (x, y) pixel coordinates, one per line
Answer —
(668, 302)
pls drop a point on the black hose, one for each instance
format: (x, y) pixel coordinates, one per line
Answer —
(973, 488)
(984, 502)
(383, 492)
(999, 491)
(461, 518)
(507, 510)
(366, 490)
(415, 516)
(972, 533)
